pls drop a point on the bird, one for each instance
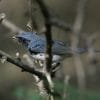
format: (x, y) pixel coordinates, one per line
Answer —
(37, 45)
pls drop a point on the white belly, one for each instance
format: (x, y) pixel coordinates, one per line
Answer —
(41, 56)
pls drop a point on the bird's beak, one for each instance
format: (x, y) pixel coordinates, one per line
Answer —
(15, 38)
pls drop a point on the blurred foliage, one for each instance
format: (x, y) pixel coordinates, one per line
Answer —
(72, 93)
(22, 93)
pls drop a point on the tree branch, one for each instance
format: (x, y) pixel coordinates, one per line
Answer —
(45, 76)
(32, 22)
(9, 24)
(48, 34)
(48, 59)
(77, 27)
(60, 24)
(20, 64)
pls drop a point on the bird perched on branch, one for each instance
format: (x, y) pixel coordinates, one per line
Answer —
(36, 45)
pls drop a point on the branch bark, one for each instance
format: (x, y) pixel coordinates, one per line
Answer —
(48, 34)
(8, 24)
(42, 75)
(20, 64)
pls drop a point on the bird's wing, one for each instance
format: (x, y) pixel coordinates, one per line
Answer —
(60, 48)
(37, 46)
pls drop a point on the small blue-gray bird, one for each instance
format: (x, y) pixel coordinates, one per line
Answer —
(36, 45)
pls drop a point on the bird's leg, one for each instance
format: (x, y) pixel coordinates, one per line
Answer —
(41, 63)
(35, 61)
(55, 66)
(39, 60)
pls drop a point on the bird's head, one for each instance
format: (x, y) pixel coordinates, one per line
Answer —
(25, 37)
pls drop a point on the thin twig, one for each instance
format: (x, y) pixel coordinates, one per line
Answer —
(66, 83)
(32, 22)
(60, 24)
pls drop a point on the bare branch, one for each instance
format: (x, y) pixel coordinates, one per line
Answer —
(80, 16)
(48, 60)
(21, 65)
(60, 24)
(32, 22)
(48, 34)
(9, 24)
(18, 63)
(66, 83)
(92, 59)
(75, 39)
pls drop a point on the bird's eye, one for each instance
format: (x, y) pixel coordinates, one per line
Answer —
(36, 33)
(19, 39)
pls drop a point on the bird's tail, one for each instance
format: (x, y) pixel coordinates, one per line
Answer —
(83, 50)
(96, 50)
